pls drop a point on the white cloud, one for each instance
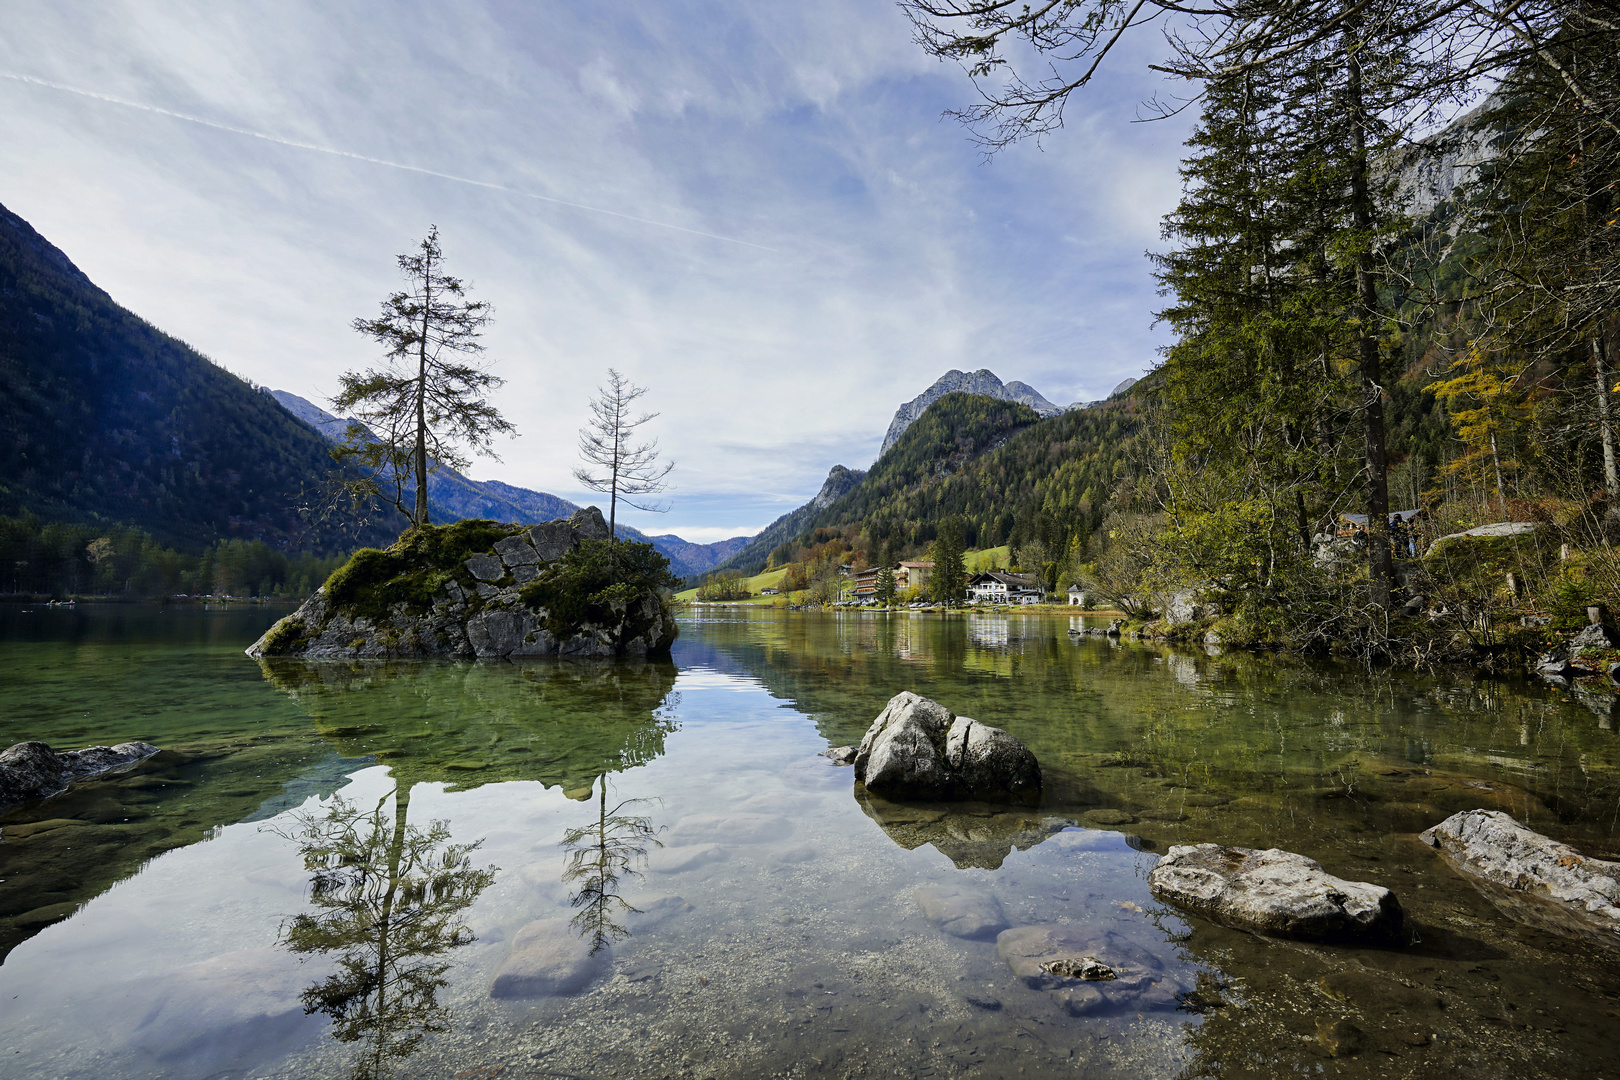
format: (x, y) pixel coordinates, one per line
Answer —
(888, 251)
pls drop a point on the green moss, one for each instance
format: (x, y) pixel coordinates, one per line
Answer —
(285, 636)
(414, 570)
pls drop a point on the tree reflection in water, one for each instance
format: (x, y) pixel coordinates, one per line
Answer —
(600, 855)
(388, 900)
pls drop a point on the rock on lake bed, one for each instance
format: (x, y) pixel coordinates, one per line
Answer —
(1274, 892)
(1530, 877)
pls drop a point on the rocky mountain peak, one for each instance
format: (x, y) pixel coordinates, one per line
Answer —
(983, 382)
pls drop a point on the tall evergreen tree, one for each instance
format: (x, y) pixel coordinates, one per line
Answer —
(419, 411)
(948, 579)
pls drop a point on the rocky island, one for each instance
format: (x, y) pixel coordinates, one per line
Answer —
(487, 590)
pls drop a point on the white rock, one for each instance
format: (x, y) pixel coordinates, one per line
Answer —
(1274, 892)
(1531, 877)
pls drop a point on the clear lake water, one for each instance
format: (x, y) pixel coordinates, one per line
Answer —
(349, 869)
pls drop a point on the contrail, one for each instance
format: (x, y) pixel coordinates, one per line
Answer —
(369, 160)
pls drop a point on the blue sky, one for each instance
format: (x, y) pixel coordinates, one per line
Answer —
(755, 210)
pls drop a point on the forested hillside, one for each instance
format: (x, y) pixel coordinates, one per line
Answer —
(106, 420)
(1007, 473)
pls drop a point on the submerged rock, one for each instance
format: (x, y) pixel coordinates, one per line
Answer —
(469, 591)
(962, 911)
(547, 958)
(1089, 970)
(1530, 877)
(1274, 892)
(840, 755)
(32, 770)
(919, 749)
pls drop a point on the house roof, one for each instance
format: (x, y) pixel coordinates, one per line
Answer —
(929, 565)
(1361, 519)
(1012, 581)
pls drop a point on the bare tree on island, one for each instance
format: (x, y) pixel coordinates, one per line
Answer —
(417, 413)
(614, 464)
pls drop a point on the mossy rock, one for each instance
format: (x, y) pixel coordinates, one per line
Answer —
(414, 570)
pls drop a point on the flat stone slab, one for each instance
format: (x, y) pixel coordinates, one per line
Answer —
(1532, 878)
(32, 770)
(1088, 969)
(962, 911)
(547, 958)
(1275, 892)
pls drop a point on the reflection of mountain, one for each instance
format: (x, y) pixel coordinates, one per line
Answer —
(562, 723)
(1170, 736)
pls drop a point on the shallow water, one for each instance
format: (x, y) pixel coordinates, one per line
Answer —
(281, 855)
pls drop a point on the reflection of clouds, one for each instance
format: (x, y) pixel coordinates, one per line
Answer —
(988, 632)
(700, 678)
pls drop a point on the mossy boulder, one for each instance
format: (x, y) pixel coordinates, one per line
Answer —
(487, 590)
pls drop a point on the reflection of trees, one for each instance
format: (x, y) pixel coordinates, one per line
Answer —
(388, 900)
(563, 723)
(600, 854)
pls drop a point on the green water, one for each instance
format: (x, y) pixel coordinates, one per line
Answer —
(180, 920)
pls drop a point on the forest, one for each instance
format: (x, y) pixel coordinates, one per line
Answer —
(40, 558)
(1390, 279)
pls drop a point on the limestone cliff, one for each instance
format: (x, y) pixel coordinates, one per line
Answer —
(982, 381)
(484, 590)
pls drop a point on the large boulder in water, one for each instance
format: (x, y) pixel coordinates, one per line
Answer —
(486, 590)
(32, 770)
(919, 749)
(1274, 892)
(1532, 878)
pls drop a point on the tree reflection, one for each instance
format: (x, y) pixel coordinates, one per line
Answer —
(600, 855)
(388, 900)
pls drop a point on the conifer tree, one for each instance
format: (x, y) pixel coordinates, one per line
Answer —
(949, 577)
(417, 413)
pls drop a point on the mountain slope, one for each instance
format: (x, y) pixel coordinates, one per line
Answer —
(104, 418)
(752, 557)
(983, 382)
(950, 433)
(453, 496)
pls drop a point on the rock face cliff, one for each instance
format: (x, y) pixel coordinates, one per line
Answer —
(477, 590)
(982, 381)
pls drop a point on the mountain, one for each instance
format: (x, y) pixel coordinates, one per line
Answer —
(1112, 394)
(104, 419)
(950, 434)
(453, 496)
(752, 556)
(983, 382)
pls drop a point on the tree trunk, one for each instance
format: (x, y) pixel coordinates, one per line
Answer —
(1496, 465)
(420, 452)
(1611, 476)
(1380, 569)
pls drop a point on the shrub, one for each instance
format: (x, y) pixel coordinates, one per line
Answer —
(587, 584)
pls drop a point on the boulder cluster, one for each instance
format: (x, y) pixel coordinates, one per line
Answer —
(478, 611)
(918, 749)
(32, 770)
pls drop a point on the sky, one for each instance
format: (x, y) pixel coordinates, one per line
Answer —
(756, 211)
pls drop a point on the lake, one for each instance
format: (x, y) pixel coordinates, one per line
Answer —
(338, 869)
